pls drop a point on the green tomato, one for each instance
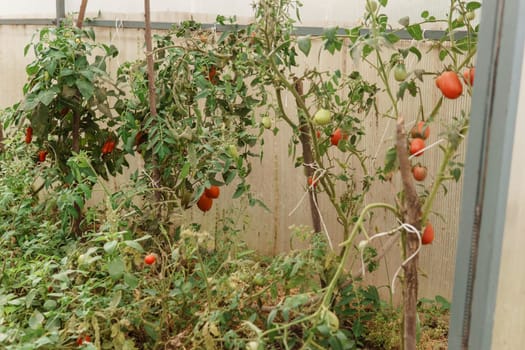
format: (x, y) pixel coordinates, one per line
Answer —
(322, 117)
(259, 280)
(232, 151)
(266, 122)
(82, 259)
(253, 345)
(400, 72)
(461, 19)
(470, 15)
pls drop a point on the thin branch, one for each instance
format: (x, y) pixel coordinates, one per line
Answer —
(412, 216)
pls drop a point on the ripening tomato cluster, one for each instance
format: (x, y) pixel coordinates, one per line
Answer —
(324, 117)
(205, 202)
(108, 146)
(419, 134)
(83, 339)
(451, 87)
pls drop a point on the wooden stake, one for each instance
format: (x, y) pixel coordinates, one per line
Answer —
(76, 127)
(151, 91)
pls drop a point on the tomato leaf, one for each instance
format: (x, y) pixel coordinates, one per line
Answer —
(442, 54)
(332, 42)
(415, 31)
(131, 280)
(135, 245)
(115, 301)
(85, 88)
(36, 320)
(390, 160)
(116, 268)
(46, 96)
(456, 173)
(391, 38)
(473, 5)
(110, 246)
(416, 52)
(305, 44)
(185, 170)
(241, 188)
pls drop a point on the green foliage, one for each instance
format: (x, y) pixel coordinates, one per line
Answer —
(69, 78)
(206, 289)
(205, 129)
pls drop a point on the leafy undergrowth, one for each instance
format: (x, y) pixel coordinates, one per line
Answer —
(204, 290)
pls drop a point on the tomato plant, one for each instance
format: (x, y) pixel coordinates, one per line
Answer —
(68, 78)
(213, 108)
(204, 133)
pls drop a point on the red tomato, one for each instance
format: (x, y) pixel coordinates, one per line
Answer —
(428, 234)
(205, 203)
(111, 146)
(449, 84)
(337, 136)
(140, 138)
(150, 259)
(212, 75)
(416, 146)
(468, 75)
(42, 155)
(108, 146)
(81, 340)
(419, 172)
(29, 134)
(105, 148)
(212, 192)
(421, 130)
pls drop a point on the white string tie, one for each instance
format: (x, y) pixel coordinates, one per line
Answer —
(424, 149)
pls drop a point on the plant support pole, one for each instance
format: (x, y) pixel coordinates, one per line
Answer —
(76, 127)
(151, 89)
